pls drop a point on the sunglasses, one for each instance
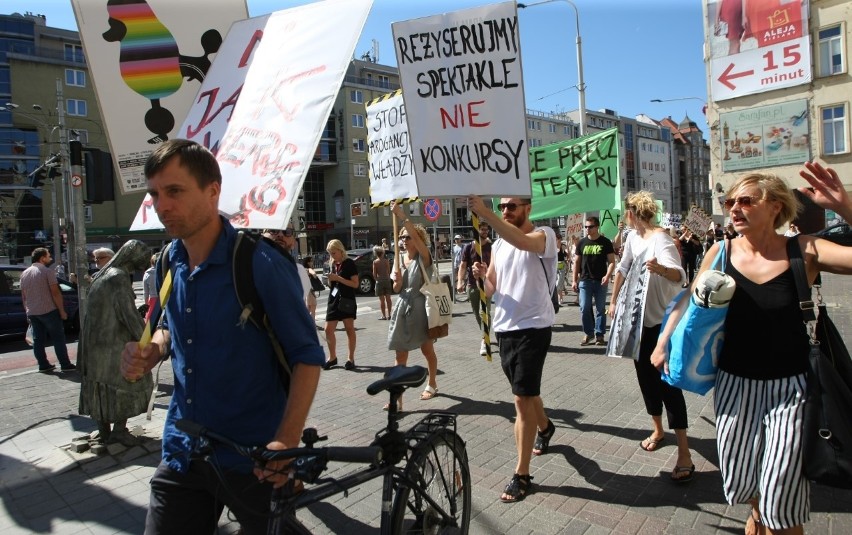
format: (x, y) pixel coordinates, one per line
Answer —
(589, 226)
(511, 206)
(744, 201)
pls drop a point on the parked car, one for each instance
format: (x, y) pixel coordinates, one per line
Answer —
(364, 261)
(840, 233)
(13, 317)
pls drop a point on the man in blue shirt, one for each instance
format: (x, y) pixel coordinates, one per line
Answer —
(226, 374)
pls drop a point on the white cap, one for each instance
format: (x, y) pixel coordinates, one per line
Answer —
(457, 237)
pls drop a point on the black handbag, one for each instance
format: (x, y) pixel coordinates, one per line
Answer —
(346, 305)
(827, 429)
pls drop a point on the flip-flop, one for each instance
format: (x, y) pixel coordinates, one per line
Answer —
(652, 445)
(428, 393)
(689, 470)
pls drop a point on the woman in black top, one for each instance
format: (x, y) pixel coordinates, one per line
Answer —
(343, 280)
(760, 386)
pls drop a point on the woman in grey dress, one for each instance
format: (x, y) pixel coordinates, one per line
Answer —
(408, 323)
(112, 321)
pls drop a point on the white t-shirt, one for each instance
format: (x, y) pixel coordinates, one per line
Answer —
(660, 289)
(522, 293)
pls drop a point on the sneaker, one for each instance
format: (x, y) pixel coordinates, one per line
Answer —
(69, 368)
(587, 340)
(599, 340)
(483, 349)
(49, 369)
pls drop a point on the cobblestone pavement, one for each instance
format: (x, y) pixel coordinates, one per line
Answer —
(595, 479)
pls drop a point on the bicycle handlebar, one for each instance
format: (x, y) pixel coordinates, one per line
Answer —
(362, 455)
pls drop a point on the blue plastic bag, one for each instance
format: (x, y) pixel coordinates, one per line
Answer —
(696, 342)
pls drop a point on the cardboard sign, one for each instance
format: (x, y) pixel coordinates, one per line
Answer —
(697, 220)
(464, 98)
(392, 176)
(147, 60)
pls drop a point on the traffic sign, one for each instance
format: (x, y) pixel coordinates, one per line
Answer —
(432, 209)
(76, 180)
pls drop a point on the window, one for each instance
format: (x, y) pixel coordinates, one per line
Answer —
(360, 169)
(81, 135)
(414, 208)
(75, 77)
(74, 53)
(530, 124)
(566, 130)
(356, 96)
(76, 107)
(384, 81)
(357, 120)
(834, 129)
(358, 145)
(551, 128)
(830, 51)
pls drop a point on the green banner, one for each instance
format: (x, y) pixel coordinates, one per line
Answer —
(611, 217)
(578, 175)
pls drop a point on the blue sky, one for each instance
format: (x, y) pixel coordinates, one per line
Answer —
(633, 51)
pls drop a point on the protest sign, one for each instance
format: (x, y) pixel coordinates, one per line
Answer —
(147, 60)
(671, 221)
(389, 152)
(577, 175)
(697, 220)
(464, 99)
(574, 225)
(277, 116)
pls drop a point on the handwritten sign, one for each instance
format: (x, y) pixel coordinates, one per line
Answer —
(463, 89)
(278, 114)
(574, 225)
(578, 175)
(697, 220)
(389, 151)
(671, 221)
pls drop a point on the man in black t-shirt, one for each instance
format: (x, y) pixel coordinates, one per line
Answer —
(593, 267)
(467, 258)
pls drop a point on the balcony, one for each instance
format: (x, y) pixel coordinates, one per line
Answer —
(380, 84)
(325, 155)
(29, 52)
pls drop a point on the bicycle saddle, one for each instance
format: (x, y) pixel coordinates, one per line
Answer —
(400, 377)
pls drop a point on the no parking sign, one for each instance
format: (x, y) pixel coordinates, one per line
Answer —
(432, 209)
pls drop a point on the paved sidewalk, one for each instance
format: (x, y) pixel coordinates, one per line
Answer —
(596, 479)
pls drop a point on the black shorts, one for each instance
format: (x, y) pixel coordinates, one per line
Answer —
(522, 355)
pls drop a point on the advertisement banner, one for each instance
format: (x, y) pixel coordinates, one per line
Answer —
(464, 99)
(757, 46)
(389, 151)
(277, 116)
(147, 60)
(766, 136)
(577, 175)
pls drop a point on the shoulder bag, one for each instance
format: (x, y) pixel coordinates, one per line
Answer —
(696, 342)
(826, 428)
(439, 304)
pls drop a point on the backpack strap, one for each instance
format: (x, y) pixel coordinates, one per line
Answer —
(249, 298)
(797, 264)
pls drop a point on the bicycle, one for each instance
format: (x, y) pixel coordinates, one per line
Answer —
(429, 493)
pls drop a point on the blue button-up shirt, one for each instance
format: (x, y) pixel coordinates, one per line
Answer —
(226, 374)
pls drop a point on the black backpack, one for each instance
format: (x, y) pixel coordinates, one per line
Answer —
(242, 262)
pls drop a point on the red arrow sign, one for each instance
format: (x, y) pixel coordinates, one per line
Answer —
(726, 76)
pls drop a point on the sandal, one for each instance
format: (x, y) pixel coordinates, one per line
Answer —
(517, 489)
(649, 444)
(542, 440)
(398, 406)
(428, 393)
(688, 470)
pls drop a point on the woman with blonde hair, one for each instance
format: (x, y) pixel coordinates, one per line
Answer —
(342, 280)
(650, 251)
(761, 383)
(409, 327)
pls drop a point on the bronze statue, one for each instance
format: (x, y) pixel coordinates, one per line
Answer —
(111, 321)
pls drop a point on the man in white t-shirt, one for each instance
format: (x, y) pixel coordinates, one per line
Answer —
(520, 280)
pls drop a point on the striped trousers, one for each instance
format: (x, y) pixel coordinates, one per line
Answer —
(759, 437)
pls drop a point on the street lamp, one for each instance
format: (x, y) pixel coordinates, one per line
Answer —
(581, 86)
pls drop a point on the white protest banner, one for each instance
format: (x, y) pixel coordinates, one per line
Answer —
(670, 221)
(389, 152)
(147, 59)
(287, 94)
(697, 220)
(208, 118)
(464, 98)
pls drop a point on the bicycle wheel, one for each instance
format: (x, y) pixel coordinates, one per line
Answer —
(439, 467)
